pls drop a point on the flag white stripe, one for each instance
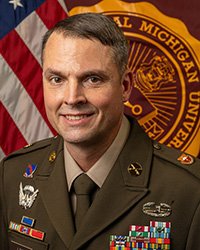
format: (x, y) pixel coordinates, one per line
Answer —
(20, 106)
(31, 30)
(62, 3)
(2, 155)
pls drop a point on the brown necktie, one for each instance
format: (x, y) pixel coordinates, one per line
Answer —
(84, 189)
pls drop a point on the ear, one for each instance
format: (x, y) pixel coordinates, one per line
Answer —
(127, 82)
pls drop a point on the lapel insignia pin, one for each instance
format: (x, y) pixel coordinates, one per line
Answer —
(161, 210)
(135, 169)
(52, 156)
(27, 221)
(30, 171)
(27, 196)
(186, 159)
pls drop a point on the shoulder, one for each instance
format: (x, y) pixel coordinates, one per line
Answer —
(31, 149)
(165, 156)
(177, 158)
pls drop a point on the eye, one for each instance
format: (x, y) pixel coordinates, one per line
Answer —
(93, 80)
(55, 80)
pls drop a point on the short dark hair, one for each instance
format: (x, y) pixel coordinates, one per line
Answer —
(94, 26)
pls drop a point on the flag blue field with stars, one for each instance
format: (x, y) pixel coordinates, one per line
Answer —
(12, 12)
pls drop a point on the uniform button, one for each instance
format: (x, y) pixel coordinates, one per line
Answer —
(156, 146)
(28, 145)
(135, 169)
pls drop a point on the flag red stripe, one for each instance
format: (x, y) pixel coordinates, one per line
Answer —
(26, 67)
(55, 13)
(14, 139)
(18, 56)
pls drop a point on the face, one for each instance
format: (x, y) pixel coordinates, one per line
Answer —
(83, 90)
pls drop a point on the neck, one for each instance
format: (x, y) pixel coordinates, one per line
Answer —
(84, 158)
(87, 155)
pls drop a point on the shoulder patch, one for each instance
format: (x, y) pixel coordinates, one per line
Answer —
(178, 158)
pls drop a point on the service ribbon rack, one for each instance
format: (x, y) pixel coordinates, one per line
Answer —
(153, 237)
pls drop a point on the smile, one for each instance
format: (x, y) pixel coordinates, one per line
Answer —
(75, 117)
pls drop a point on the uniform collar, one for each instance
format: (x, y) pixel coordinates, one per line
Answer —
(102, 167)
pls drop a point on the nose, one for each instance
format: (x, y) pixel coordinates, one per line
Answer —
(74, 93)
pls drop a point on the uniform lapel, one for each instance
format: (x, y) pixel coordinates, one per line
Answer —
(121, 190)
(51, 181)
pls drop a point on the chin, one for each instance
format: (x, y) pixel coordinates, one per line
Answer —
(80, 140)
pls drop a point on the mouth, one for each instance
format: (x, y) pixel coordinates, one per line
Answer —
(76, 117)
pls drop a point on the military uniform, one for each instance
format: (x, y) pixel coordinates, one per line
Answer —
(145, 174)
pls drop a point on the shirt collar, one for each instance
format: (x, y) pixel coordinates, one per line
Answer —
(100, 170)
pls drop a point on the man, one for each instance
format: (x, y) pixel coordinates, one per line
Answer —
(86, 81)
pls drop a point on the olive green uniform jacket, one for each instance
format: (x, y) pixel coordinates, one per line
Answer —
(118, 204)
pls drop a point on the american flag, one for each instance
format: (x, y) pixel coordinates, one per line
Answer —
(22, 115)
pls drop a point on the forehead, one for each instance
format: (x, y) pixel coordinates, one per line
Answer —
(72, 52)
(61, 44)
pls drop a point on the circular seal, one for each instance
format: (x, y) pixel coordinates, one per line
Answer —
(165, 64)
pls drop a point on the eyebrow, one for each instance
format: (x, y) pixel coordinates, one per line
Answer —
(101, 73)
(50, 71)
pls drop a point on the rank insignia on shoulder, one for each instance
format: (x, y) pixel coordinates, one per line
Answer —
(52, 156)
(33, 233)
(186, 159)
(27, 195)
(30, 170)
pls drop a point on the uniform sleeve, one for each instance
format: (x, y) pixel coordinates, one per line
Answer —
(3, 226)
(193, 241)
